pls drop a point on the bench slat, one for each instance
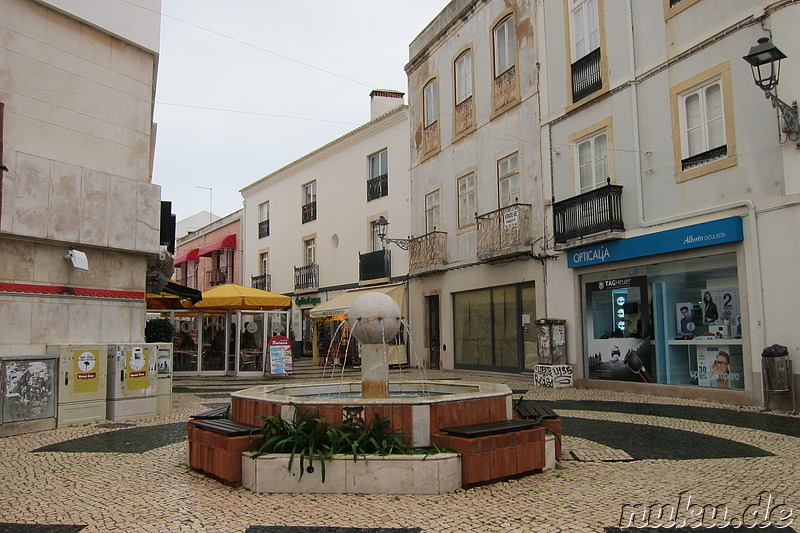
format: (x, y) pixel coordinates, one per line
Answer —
(533, 410)
(490, 428)
(217, 412)
(226, 427)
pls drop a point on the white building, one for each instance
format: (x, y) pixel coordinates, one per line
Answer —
(309, 227)
(673, 184)
(76, 112)
(476, 187)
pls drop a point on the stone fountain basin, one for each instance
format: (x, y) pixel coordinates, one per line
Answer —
(448, 404)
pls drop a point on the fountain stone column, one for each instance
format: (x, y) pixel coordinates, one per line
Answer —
(374, 320)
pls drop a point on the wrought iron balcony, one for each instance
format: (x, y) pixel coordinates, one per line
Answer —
(377, 187)
(306, 277)
(427, 253)
(309, 212)
(263, 229)
(216, 276)
(374, 265)
(589, 214)
(263, 282)
(505, 232)
(586, 77)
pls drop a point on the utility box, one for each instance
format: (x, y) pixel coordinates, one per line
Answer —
(551, 334)
(82, 374)
(164, 373)
(132, 380)
(27, 393)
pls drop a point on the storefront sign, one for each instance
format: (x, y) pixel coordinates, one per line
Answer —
(307, 300)
(695, 236)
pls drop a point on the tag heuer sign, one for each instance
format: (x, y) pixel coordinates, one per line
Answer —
(511, 219)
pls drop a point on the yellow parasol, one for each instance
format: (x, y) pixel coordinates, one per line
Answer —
(233, 296)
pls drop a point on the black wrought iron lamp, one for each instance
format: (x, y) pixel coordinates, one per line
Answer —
(381, 226)
(765, 61)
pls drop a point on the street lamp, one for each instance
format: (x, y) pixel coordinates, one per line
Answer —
(381, 227)
(210, 199)
(765, 62)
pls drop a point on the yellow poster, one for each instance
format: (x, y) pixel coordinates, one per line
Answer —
(136, 366)
(85, 368)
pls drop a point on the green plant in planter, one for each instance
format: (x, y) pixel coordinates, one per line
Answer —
(311, 438)
(159, 330)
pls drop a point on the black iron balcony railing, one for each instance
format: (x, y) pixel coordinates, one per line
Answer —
(427, 253)
(263, 229)
(374, 265)
(216, 276)
(309, 212)
(377, 187)
(306, 277)
(586, 77)
(590, 213)
(709, 155)
(505, 232)
(263, 282)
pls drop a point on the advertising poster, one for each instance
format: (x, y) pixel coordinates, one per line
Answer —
(280, 355)
(688, 316)
(714, 368)
(618, 330)
(85, 370)
(720, 307)
(136, 367)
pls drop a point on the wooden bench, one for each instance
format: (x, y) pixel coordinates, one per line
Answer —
(489, 428)
(217, 412)
(216, 446)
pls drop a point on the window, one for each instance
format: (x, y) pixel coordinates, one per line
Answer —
(263, 220)
(702, 115)
(508, 180)
(432, 211)
(464, 77)
(592, 162)
(309, 202)
(466, 200)
(310, 251)
(504, 47)
(263, 263)
(377, 243)
(378, 179)
(431, 103)
(585, 28)
(703, 127)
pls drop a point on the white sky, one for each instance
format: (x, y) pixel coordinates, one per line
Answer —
(248, 86)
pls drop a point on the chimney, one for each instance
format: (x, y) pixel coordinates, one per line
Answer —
(382, 101)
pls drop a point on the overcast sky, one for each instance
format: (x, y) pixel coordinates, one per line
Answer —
(247, 86)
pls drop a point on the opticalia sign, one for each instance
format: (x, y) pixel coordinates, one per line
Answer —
(695, 236)
(307, 300)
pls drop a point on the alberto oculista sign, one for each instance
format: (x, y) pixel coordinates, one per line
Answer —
(674, 240)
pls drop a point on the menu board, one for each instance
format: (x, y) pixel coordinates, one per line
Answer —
(280, 355)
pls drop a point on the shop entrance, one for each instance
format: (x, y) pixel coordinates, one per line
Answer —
(434, 331)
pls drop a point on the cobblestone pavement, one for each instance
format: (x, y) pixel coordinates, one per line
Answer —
(155, 491)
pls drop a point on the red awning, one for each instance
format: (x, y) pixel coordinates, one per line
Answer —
(191, 255)
(229, 241)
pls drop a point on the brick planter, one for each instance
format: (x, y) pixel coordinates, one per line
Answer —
(496, 457)
(217, 454)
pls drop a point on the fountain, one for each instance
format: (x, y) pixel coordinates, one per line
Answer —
(418, 409)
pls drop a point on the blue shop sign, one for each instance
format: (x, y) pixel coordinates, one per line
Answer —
(673, 240)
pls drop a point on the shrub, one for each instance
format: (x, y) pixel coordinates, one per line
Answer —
(159, 330)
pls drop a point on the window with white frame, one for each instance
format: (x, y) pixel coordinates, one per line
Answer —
(432, 211)
(378, 178)
(504, 47)
(431, 102)
(263, 263)
(377, 243)
(263, 220)
(310, 246)
(309, 201)
(585, 28)
(466, 200)
(702, 124)
(463, 76)
(592, 161)
(508, 180)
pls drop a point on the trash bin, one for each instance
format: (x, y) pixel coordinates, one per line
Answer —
(777, 368)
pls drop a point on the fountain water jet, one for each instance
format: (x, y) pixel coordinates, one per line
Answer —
(374, 320)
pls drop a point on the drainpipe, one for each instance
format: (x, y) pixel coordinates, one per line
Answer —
(756, 298)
